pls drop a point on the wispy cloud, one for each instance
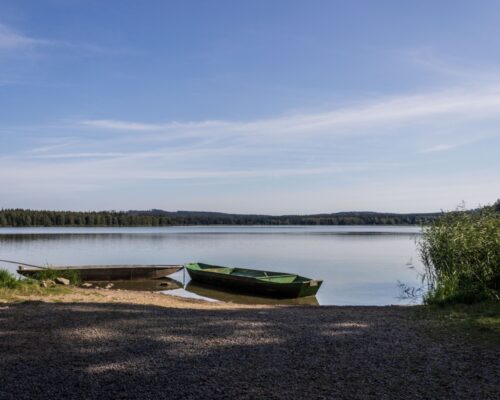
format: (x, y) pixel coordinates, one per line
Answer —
(89, 177)
(453, 144)
(291, 145)
(11, 39)
(82, 155)
(440, 147)
(51, 145)
(123, 125)
(351, 144)
(461, 104)
(125, 168)
(445, 70)
(151, 127)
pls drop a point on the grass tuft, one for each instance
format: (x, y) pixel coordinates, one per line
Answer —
(52, 274)
(11, 287)
(8, 280)
(479, 321)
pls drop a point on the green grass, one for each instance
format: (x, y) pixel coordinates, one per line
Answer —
(479, 321)
(11, 287)
(8, 280)
(52, 274)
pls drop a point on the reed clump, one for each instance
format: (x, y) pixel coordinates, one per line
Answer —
(52, 274)
(461, 256)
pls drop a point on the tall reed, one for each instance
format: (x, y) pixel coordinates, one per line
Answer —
(461, 256)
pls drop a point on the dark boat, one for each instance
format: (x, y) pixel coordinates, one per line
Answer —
(110, 272)
(266, 283)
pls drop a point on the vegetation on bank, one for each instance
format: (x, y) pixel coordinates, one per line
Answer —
(11, 287)
(461, 256)
(480, 321)
(52, 274)
(29, 218)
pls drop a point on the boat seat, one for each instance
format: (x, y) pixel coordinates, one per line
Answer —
(279, 278)
(219, 270)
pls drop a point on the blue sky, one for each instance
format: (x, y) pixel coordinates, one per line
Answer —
(253, 107)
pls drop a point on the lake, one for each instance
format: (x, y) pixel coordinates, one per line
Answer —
(360, 265)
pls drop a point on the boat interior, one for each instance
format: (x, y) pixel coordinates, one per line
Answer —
(267, 276)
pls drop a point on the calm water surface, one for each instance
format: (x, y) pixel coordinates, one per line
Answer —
(359, 264)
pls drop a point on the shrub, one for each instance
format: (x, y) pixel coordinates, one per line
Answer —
(461, 256)
(8, 280)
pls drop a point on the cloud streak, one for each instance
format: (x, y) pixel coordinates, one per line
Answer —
(352, 144)
(11, 40)
(125, 168)
(440, 147)
(291, 145)
(460, 103)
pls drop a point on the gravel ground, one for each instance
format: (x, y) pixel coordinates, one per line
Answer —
(92, 350)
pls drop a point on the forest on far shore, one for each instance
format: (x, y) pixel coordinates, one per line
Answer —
(31, 218)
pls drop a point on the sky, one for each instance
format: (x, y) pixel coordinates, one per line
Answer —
(263, 106)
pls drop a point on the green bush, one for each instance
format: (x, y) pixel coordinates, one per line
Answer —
(8, 280)
(461, 256)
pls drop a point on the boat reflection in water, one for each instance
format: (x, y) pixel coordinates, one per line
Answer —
(150, 285)
(225, 295)
(200, 291)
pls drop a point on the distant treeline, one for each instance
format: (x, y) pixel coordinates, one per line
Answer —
(27, 218)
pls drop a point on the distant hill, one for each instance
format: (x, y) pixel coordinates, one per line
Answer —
(155, 217)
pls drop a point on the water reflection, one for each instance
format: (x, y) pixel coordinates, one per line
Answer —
(198, 291)
(149, 285)
(229, 296)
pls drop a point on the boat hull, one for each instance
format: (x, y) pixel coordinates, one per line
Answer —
(111, 272)
(255, 286)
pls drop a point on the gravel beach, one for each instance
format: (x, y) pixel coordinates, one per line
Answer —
(120, 345)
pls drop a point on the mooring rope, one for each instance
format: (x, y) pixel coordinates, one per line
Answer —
(23, 264)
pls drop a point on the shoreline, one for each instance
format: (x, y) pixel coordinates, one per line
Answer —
(113, 296)
(77, 294)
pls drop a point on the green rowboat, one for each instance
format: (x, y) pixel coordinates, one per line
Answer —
(266, 283)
